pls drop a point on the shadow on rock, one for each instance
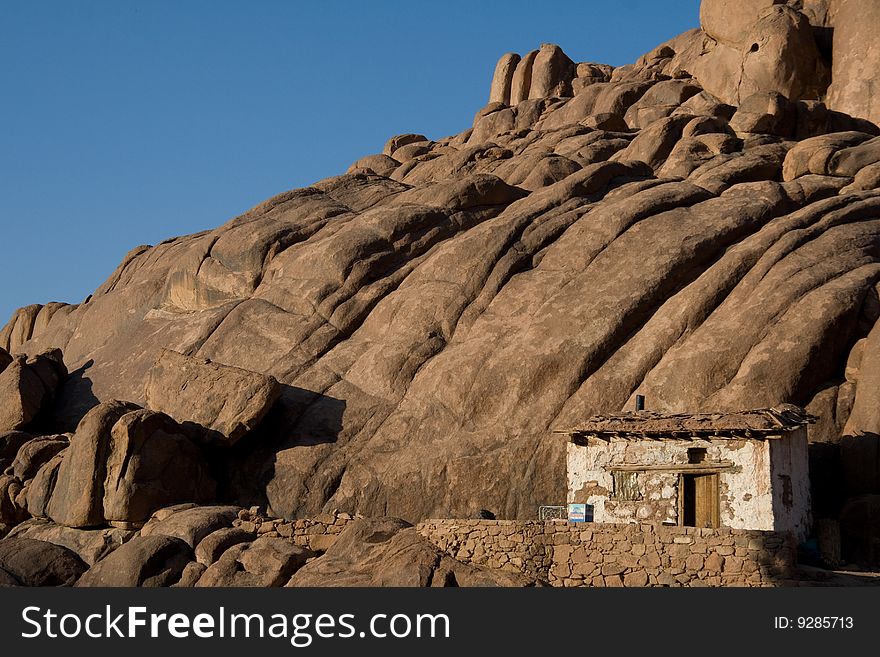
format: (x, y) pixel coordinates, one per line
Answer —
(74, 399)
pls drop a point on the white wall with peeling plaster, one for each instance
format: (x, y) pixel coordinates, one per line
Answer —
(766, 486)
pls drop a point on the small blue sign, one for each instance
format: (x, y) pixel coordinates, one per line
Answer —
(580, 513)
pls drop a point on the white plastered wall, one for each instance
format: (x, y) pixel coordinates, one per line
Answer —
(747, 489)
(791, 499)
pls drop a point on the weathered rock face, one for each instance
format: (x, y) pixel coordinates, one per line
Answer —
(502, 81)
(150, 464)
(147, 561)
(856, 58)
(192, 525)
(27, 386)
(227, 401)
(76, 499)
(747, 51)
(35, 453)
(123, 463)
(216, 543)
(266, 562)
(38, 563)
(552, 73)
(90, 545)
(694, 227)
(732, 23)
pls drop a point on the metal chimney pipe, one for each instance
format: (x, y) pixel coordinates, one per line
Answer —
(640, 402)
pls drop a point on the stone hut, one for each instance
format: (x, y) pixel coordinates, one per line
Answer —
(743, 470)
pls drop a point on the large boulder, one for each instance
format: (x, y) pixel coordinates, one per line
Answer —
(379, 163)
(147, 561)
(78, 491)
(151, 464)
(732, 22)
(22, 395)
(90, 545)
(748, 52)
(38, 563)
(399, 141)
(503, 78)
(266, 562)
(41, 487)
(522, 78)
(864, 418)
(27, 388)
(35, 453)
(389, 552)
(216, 543)
(814, 155)
(192, 525)
(123, 463)
(766, 113)
(11, 513)
(658, 102)
(552, 73)
(228, 401)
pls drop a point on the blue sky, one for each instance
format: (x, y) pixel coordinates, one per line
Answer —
(126, 123)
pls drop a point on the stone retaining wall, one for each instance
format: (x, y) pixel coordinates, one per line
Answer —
(588, 554)
(317, 533)
(582, 554)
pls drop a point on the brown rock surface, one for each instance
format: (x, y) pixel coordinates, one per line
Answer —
(38, 563)
(399, 141)
(855, 58)
(748, 51)
(265, 562)
(11, 513)
(216, 543)
(228, 401)
(41, 487)
(143, 561)
(502, 80)
(10, 442)
(78, 491)
(552, 73)
(21, 396)
(731, 22)
(522, 78)
(35, 453)
(192, 525)
(150, 464)
(430, 329)
(90, 545)
(767, 113)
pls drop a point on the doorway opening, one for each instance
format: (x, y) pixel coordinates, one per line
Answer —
(698, 500)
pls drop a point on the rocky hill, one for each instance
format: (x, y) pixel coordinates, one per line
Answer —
(701, 227)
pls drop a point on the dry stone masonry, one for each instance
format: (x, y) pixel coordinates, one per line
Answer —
(317, 533)
(587, 554)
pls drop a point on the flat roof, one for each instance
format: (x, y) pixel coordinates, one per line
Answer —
(757, 423)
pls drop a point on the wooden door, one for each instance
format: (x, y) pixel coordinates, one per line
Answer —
(698, 500)
(706, 511)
